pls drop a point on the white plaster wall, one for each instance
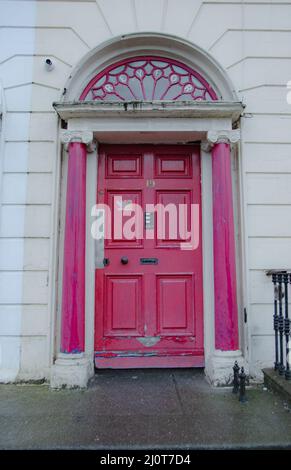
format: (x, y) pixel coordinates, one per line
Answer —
(16, 72)
(251, 40)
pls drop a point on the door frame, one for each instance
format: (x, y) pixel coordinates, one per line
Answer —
(164, 123)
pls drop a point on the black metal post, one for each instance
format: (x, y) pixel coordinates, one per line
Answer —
(242, 386)
(281, 324)
(276, 322)
(287, 328)
(236, 369)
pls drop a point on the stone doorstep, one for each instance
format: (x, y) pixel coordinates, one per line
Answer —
(278, 384)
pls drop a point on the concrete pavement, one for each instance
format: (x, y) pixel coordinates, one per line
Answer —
(168, 408)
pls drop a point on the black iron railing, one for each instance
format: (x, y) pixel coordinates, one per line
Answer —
(282, 323)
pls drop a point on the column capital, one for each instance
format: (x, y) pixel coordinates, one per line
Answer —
(219, 137)
(84, 137)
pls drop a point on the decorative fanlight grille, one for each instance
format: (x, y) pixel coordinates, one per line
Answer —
(148, 79)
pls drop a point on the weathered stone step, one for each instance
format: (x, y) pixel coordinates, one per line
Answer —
(278, 384)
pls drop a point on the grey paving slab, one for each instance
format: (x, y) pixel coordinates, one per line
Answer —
(169, 408)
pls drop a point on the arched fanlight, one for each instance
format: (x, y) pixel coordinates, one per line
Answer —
(148, 78)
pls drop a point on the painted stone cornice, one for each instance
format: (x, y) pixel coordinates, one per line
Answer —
(152, 109)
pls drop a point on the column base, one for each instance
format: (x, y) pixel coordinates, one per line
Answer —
(218, 368)
(71, 371)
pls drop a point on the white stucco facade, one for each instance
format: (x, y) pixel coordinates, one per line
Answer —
(249, 42)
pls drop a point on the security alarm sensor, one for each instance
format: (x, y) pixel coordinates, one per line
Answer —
(49, 65)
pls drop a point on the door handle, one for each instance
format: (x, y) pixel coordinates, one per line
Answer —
(124, 260)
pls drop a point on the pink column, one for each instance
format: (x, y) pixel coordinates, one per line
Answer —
(226, 311)
(73, 292)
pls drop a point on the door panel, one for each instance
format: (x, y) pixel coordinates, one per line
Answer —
(123, 290)
(149, 311)
(172, 234)
(120, 201)
(173, 166)
(175, 305)
(124, 166)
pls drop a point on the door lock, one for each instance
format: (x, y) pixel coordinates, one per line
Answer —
(105, 261)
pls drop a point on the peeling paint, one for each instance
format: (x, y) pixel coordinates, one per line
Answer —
(149, 340)
(118, 354)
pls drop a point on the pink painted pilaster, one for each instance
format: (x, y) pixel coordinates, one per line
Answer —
(225, 289)
(73, 291)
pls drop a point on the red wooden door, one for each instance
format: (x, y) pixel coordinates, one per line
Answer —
(149, 311)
